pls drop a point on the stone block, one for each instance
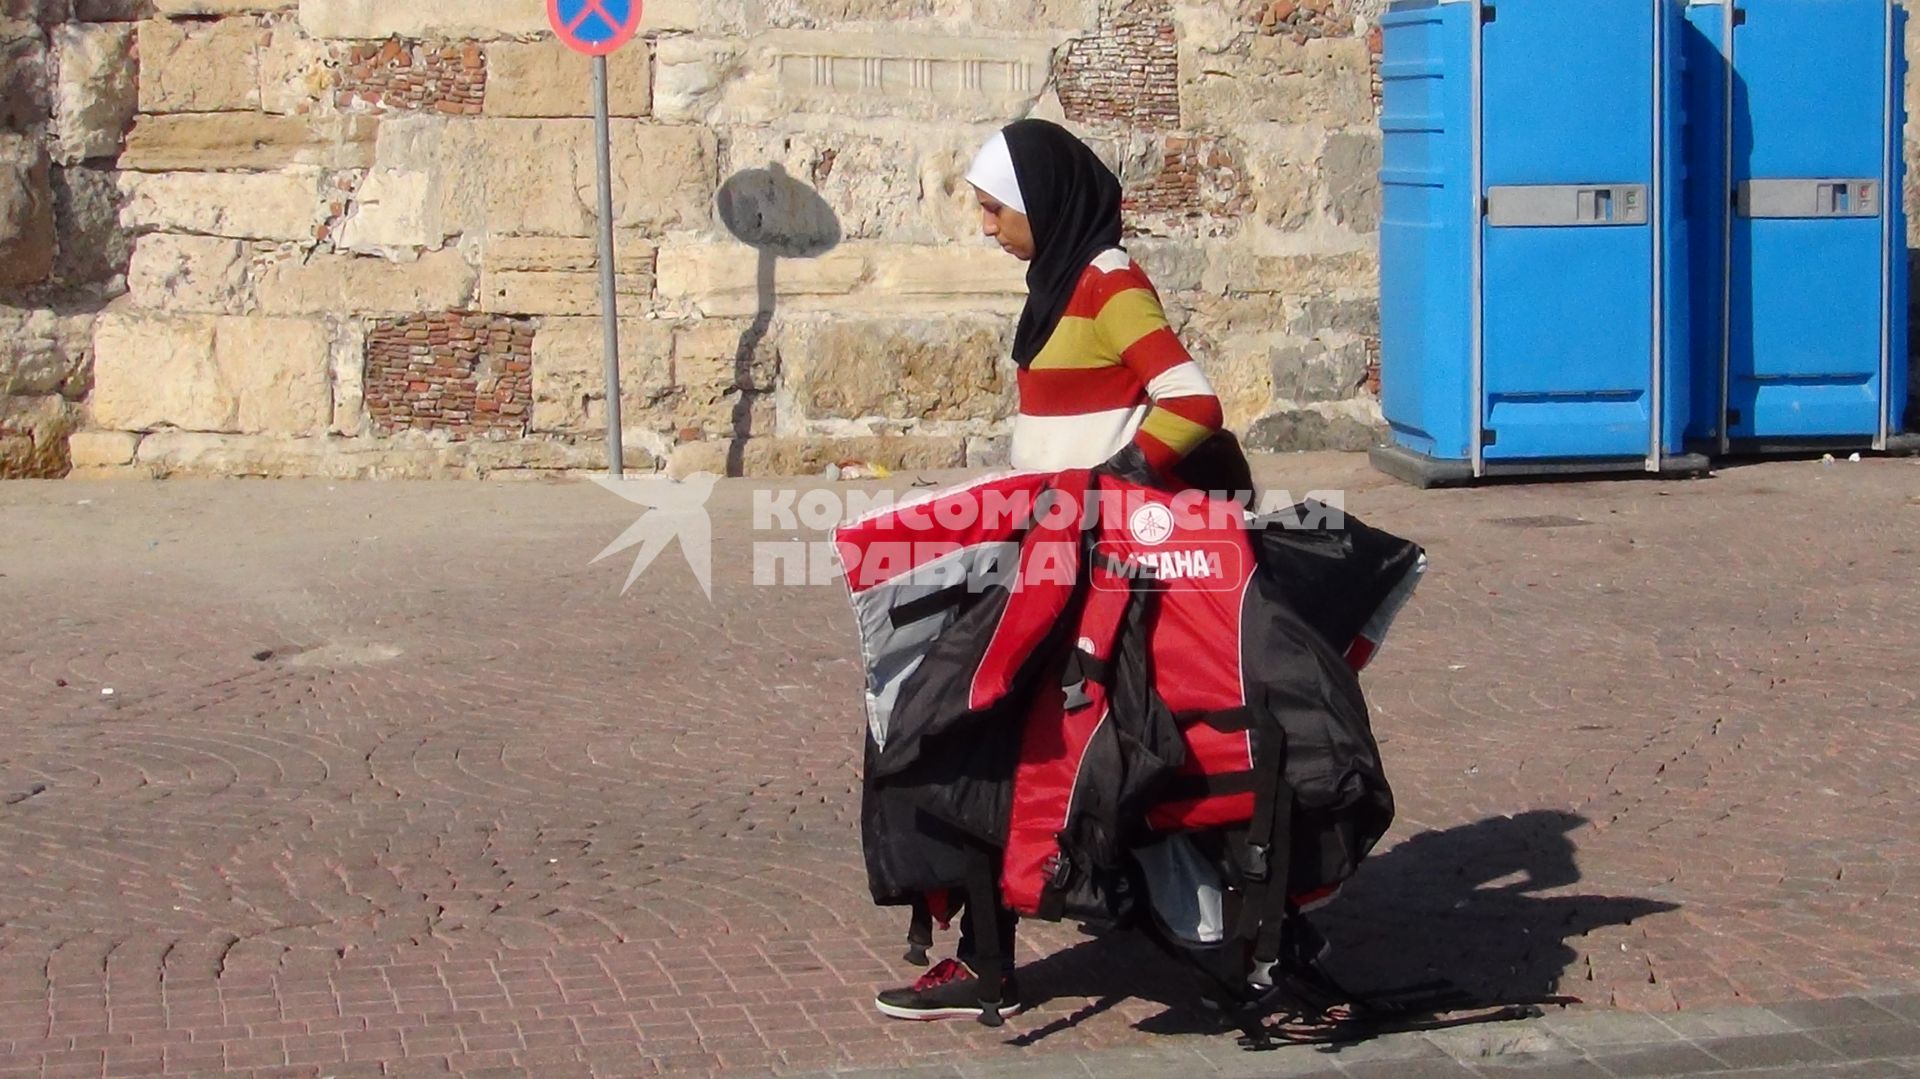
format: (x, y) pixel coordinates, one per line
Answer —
(732, 280)
(199, 66)
(435, 178)
(545, 78)
(569, 375)
(1027, 16)
(190, 274)
(165, 454)
(1326, 81)
(1350, 168)
(266, 206)
(1322, 312)
(725, 372)
(552, 275)
(102, 449)
(1351, 426)
(24, 102)
(904, 369)
(408, 199)
(112, 10)
(905, 183)
(849, 74)
(33, 436)
(296, 72)
(210, 373)
(990, 451)
(700, 16)
(690, 74)
(1283, 169)
(540, 177)
(222, 7)
(349, 378)
(977, 275)
(340, 284)
(93, 247)
(367, 19)
(1238, 272)
(96, 94)
(205, 142)
(26, 212)
(1318, 371)
(799, 456)
(45, 353)
(1243, 384)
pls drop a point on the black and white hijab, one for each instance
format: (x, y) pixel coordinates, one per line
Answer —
(1072, 200)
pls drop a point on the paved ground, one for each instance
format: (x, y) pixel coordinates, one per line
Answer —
(393, 780)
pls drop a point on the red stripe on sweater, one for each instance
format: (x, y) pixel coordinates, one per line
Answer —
(1096, 287)
(1074, 391)
(1155, 354)
(1203, 409)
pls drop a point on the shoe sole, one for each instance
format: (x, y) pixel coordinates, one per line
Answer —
(893, 1011)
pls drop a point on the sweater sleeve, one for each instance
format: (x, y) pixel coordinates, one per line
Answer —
(1185, 410)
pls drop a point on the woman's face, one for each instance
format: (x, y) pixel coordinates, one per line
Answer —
(1007, 225)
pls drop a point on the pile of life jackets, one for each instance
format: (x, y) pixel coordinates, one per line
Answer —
(1121, 705)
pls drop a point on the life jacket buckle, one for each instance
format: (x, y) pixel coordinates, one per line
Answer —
(1259, 869)
(1077, 697)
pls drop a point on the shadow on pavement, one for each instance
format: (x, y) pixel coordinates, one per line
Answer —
(1467, 905)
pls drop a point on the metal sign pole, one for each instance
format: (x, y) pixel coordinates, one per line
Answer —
(609, 298)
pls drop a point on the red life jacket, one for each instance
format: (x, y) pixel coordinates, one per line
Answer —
(1148, 675)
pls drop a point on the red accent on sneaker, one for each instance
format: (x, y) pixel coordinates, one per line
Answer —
(946, 970)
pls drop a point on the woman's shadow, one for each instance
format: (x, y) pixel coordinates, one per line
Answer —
(1464, 905)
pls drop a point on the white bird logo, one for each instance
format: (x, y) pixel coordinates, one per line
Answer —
(675, 509)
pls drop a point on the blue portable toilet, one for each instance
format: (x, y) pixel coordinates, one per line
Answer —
(1533, 245)
(1800, 268)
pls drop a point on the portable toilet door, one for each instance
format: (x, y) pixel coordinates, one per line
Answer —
(1812, 308)
(1582, 327)
(1533, 243)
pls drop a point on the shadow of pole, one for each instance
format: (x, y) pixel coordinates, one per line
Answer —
(779, 217)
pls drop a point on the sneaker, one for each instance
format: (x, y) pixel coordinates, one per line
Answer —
(951, 990)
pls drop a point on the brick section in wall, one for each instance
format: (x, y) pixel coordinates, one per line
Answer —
(1302, 20)
(1306, 20)
(412, 76)
(1200, 179)
(1127, 74)
(469, 375)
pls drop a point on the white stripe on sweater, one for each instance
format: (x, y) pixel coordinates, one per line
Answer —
(1053, 443)
(1186, 380)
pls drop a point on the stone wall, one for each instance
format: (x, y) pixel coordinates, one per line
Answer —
(67, 94)
(354, 237)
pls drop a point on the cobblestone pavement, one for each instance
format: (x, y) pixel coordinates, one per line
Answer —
(392, 780)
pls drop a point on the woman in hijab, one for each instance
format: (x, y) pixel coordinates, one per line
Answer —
(1103, 379)
(1103, 383)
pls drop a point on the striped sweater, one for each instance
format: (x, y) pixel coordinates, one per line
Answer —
(1113, 371)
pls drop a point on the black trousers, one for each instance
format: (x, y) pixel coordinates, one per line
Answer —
(969, 937)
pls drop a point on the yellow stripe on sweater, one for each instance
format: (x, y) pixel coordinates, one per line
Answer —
(1075, 345)
(1129, 316)
(1181, 434)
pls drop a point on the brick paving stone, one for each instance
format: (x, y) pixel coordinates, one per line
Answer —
(1771, 1050)
(1633, 1062)
(1639, 735)
(1872, 1040)
(1409, 1069)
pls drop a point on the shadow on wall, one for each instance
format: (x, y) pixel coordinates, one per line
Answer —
(779, 217)
(1484, 906)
